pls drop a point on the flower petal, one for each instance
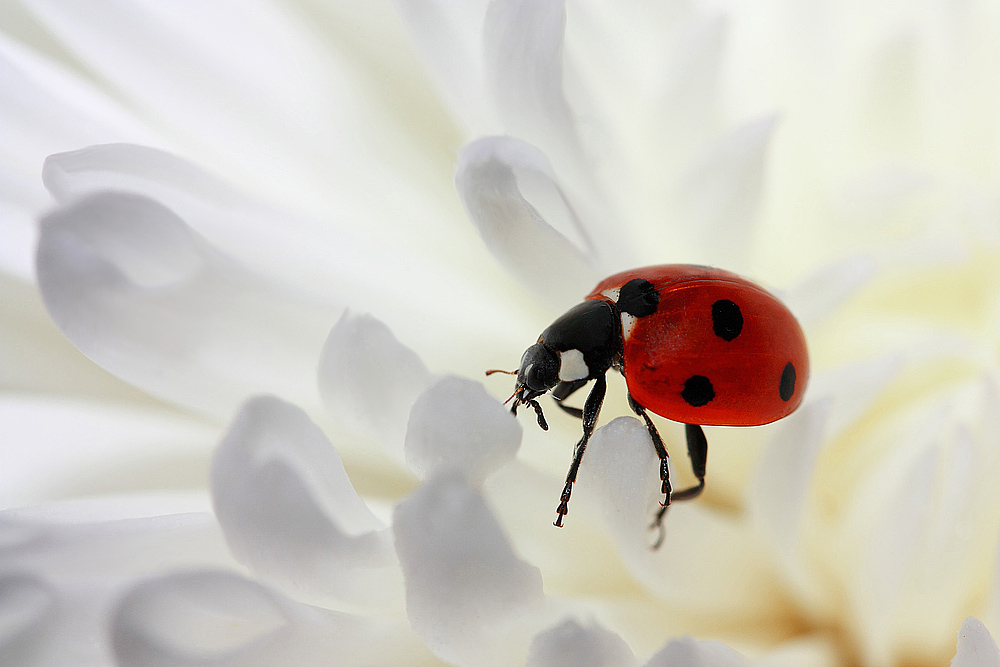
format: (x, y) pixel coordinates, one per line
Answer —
(455, 426)
(882, 534)
(186, 619)
(45, 108)
(689, 652)
(468, 595)
(36, 357)
(523, 44)
(690, 112)
(63, 448)
(572, 644)
(780, 487)
(719, 196)
(369, 380)
(234, 82)
(132, 286)
(396, 268)
(531, 249)
(62, 566)
(822, 292)
(447, 35)
(27, 606)
(274, 242)
(976, 647)
(290, 513)
(705, 564)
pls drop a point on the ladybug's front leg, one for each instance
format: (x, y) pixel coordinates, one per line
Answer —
(591, 409)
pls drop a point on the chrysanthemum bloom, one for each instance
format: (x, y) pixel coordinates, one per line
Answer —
(256, 216)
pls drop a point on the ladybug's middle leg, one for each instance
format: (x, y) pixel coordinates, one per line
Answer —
(591, 409)
(661, 451)
(563, 391)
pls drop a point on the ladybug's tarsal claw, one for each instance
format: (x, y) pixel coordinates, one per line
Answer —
(561, 511)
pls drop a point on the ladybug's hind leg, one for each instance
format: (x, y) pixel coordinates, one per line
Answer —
(698, 453)
(563, 391)
(697, 445)
(591, 410)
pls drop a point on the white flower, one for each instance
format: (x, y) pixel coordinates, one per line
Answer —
(257, 200)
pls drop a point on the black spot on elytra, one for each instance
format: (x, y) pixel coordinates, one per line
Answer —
(698, 390)
(787, 385)
(727, 320)
(638, 298)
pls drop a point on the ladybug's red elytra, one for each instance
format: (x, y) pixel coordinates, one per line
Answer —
(696, 345)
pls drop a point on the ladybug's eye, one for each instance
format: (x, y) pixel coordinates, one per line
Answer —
(539, 370)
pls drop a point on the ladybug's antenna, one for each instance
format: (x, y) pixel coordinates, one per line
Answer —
(497, 370)
(512, 396)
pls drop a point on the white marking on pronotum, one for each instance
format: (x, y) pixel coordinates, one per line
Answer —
(572, 366)
(628, 323)
(613, 293)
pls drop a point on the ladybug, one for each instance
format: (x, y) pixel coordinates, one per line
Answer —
(696, 345)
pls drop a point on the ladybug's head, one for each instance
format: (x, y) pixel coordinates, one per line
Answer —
(538, 373)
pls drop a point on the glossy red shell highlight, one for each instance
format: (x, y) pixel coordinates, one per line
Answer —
(678, 342)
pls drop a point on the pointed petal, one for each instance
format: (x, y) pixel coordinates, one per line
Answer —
(468, 595)
(290, 513)
(531, 249)
(719, 196)
(369, 380)
(456, 427)
(690, 652)
(186, 619)
(132, 286)
(572, 644)
(976, 647)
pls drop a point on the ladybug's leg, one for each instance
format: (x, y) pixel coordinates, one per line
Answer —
(698, 453)
(563, 391)
(591, 409)
(661, 451)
